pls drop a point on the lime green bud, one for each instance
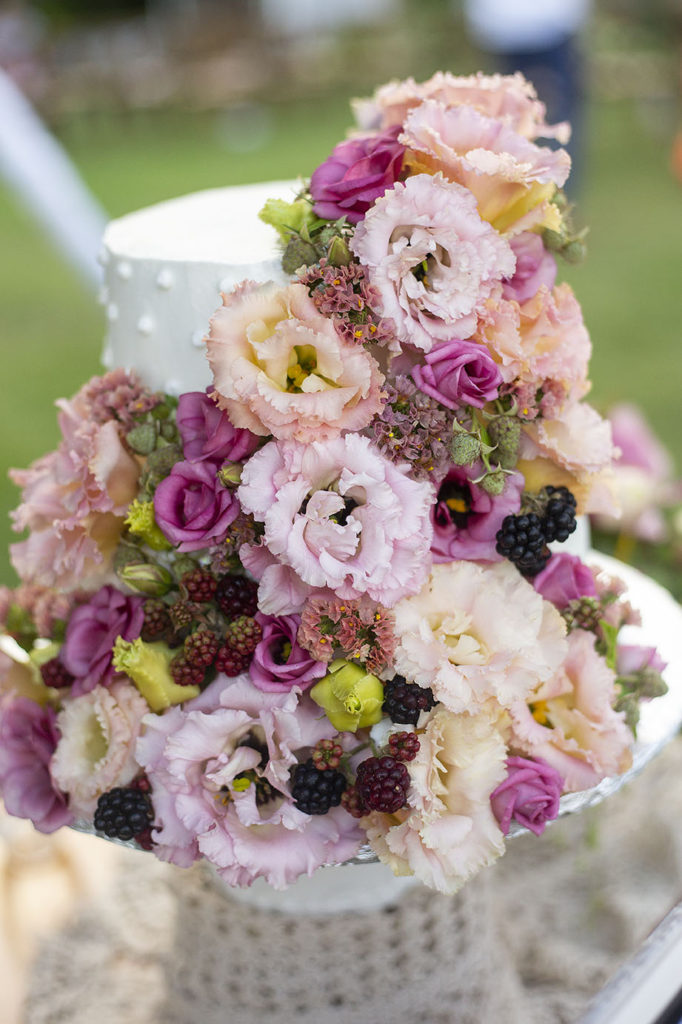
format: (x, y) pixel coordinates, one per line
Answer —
(493, 483)
(230, 475)
(288, 218)
(141, 522)
(339, 254)
(142, 438)
(465, 449)
(351, 697)
(148, 667)
(146, 578)
(41, 655)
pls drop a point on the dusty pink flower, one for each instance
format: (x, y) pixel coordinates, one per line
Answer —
(466, 518)
(44, 605)
(279, 662)
(637, 658)
(569, 719)
(529, 795)
(118, 395)
(564, 579)
(362, 630)
(28, 737)
(580, 441)
(91, 633)
(359, 170)
(192, 508)
(535, 268)
(432, 259)
(279, 366)
(96, 750)
(508, 98)
(459, 373)
(340, 516)
(207, 433)
(511, 178)
(475, 632)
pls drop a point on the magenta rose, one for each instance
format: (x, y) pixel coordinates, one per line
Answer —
(564, 579)
(535, 267)
(279, 662)
(466, 518)
(207, 433)
(459, 373)
(530, 795)
(28, 737)
(358, 171)
(90, 636)
(192, 507)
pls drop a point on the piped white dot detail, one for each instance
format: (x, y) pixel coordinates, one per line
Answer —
(112, 312)
(124, 270)
(198, 339)
(145, 325)
(165, 279)
(173, 387)
(103, 295)
(107, 357)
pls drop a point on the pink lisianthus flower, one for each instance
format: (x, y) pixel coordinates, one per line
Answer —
(510, 177)
(448, 830)
(192, 508)
(207, 433)
(28, 737)
(564, 579)
(359, 170)
(214, 796)
(476, 632)
(580, 441)
(510, 99)
(280, 367)
(339, 515)
(535, 268)
(466, 518)
(96, 750)
(569, 719)
(91, 632)
(431, 258)
(529, 795)
(459, 373)
(75, 499)
(279, 661)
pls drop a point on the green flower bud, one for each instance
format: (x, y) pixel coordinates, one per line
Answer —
(553, 240)
(147, 665)
(493, 483)
(465, 449)
(161, 461)
(505, 435)
(575, 251)
(41, 655)
(288, 218)
(141, 523)
(230, 474)
(142, 438)
(146, 578)
(351, 697)
(298, 254)
(338, 253)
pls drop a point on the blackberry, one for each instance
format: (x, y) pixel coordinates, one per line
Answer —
(351, 802)
(315, 792)
(243, 635)
(200, 648)
(200, 585)
(157, 623)
(236, 595)
(231, 662)
(403, 746)
(404, 702)
(123, 813)
(55, 674)
(185, 673)
(181, 614)
(522, 540)
(382, 784)
(559, 519)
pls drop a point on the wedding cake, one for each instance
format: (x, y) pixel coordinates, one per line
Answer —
(291, 591)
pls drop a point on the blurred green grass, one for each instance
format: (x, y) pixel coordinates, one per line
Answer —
(51, 330)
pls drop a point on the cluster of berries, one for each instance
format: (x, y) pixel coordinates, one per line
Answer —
(523, 539)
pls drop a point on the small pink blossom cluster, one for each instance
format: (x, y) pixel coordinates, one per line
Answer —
(314, 606)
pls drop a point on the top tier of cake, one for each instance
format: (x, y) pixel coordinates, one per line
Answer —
(165, 267)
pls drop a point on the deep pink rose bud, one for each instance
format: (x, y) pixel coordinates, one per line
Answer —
(358, 171)
(192, 508)
(535, 267)
(28, 737)
(207, 433)
(459, 373)
(530, 795)
(91, 633)
(279, 662)
(565, 579)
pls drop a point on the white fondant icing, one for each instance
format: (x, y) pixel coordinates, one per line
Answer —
(201, 244)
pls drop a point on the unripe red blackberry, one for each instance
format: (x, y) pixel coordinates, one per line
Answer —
(382, 784)
(403, 746)
(230, 662)
(55, 674)
(243, 635)
(200, 648)
(327, 755)
(184, 673)
(351, 802)
(200, 585)
(181, 614)
(157, 623)
(237, 595)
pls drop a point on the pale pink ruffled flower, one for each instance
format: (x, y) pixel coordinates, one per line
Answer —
(508, 98)
(511, 178)
(448, 830)
(339, 515)
(197, 761)
(431, 227)
(569, 720)
(580, 441)
(97, 747)
(280, 367)
(476, 632)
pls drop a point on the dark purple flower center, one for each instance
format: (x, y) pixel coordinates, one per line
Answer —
(454, 504)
